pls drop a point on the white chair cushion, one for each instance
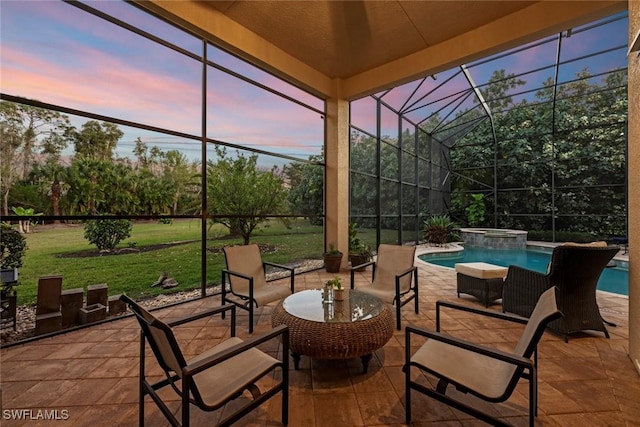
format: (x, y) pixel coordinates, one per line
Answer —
(481, 270)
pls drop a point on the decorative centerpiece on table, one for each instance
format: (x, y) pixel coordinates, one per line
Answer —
(336, 287)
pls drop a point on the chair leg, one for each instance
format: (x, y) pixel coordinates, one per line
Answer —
(250, 317)
(407, 398)
(223, 293)
(407, 379)
(140, 383)
(285, 397)
(185, 402)
(533, 397)
(398, 322)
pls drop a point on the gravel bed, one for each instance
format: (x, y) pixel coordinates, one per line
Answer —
(26, 314)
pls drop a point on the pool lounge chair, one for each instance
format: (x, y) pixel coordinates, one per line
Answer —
(574, 270)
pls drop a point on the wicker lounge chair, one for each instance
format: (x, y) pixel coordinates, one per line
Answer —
(575, 271)
(215, 377)
(248, 286)
(488, 373)
(394, 277)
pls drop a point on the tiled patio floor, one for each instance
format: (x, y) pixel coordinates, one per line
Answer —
(90, 375)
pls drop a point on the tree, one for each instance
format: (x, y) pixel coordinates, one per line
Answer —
(182, 176)
(97, 141)
(240, 195)
(27, 130)
(306, 181)
(540, 149)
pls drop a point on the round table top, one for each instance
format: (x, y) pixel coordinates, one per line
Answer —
(356, 306)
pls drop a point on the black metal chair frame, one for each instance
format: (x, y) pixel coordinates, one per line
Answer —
(398, 302)
(526, 368)
(249, 302)
(193, 396)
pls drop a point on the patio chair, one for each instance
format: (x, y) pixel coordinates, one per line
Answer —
(487, 373)
(575, 271)
(394, 277)
(248, 286)
(215, 377)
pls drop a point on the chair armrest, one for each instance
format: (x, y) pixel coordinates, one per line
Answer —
(291, 271)
(475, 310)
(237, 274)
(515, 272)
(522, 289)
(366, 264)
(214, 359)
(353, 269)
(407, 271)
(280, 266)
(476, 348)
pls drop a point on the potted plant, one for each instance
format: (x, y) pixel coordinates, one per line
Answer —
(359, 252)
(12, 248)
(338, 289)
(332, 259)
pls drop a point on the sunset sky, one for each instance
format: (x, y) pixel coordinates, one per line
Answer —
(56, 53)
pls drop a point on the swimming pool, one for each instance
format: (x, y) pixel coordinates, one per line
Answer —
(613, 279)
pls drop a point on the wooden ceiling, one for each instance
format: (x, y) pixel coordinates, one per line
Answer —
(351, 48)
(344, 38)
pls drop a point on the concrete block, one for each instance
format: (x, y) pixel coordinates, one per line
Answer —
(48, 322)
(116, 306)
(72, 301)
(49, 292)
(98, 294)
(92, 313)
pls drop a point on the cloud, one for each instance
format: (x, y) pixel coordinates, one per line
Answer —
(116, 73)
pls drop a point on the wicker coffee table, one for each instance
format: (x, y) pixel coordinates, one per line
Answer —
(355, 327)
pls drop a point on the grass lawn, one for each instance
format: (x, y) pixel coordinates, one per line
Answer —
(56, 250)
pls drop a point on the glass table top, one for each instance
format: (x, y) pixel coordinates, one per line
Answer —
(310, 305)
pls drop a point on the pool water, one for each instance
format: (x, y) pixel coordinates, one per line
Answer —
(613, 279)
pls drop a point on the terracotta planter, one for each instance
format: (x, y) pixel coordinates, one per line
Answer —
(356, 259)
(332, 262)
(338, 294)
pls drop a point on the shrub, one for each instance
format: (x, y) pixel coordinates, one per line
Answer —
(356, 246)
(439, 229)
(476, 210)
(107, 233)
(13, 246)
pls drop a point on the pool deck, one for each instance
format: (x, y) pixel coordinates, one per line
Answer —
(92, 373)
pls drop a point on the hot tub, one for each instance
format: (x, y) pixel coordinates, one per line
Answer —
(493, 238)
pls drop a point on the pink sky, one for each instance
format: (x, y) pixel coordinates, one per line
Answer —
(70, 59)
(55, 53)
